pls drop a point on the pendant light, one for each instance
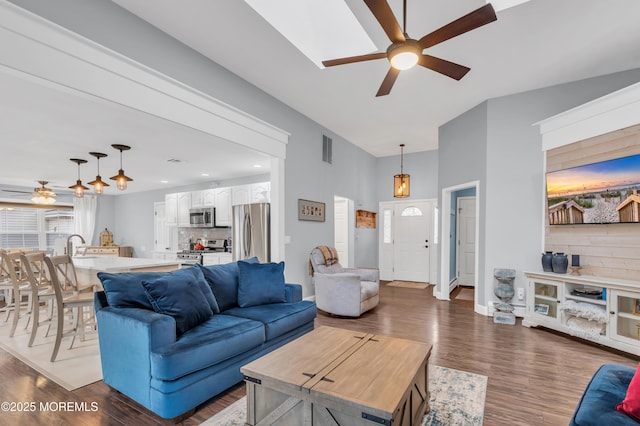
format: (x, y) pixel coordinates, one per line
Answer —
(78, 188)
(401, 182)
(43, 195)
(121, 178)
(98, 184)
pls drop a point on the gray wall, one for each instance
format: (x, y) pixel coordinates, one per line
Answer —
(352, 174)
(421, 166)
(511, 174)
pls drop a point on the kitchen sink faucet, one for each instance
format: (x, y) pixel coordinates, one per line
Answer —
(69, 246)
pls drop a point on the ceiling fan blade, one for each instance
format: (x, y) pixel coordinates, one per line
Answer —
(387, 83)
(468, 22)
(387, 20)
(352, 59)
(450, 69)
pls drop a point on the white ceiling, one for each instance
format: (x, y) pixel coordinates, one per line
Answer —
(536, 44)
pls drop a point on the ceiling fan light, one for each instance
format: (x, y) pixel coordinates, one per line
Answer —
(403, 56)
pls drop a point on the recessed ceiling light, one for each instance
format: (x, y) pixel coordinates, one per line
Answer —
(164, 181)
(204, 174)
(257, 166)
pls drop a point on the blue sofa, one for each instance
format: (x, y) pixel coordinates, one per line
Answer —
(605, 391)
(163, 361)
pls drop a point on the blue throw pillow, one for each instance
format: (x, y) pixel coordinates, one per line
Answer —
(260, 283)
(125, 290)
(180, 297)
(223, 280)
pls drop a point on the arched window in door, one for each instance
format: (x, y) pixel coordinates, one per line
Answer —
(411, 211)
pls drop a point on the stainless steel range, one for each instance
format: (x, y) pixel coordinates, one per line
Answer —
(191, 257)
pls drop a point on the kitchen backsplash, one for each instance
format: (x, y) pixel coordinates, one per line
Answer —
(186, 234)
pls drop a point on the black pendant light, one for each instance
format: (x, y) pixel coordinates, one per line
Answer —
(401, 182)
(78, 188)
(121, 179)
(98, 184)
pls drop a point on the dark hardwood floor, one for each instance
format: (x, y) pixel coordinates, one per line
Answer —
(536, 376)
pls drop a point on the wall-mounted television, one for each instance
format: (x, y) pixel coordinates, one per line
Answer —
(597, 193)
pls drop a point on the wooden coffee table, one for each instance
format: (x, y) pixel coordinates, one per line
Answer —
(332, 376)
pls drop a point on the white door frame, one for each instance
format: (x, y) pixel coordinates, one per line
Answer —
(433, 243)
(442, 289)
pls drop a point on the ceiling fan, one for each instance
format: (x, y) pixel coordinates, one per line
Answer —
(405, 52)
(42, 195)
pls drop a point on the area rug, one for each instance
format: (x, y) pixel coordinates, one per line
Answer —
(465, 294)
(408, 284)
(457, 399)
(72, 369)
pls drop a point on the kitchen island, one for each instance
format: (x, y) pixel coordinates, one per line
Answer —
(87, 267)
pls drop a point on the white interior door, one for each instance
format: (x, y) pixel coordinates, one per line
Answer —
(466, 250)
(385, 242)
(413, 224)
(341, 230)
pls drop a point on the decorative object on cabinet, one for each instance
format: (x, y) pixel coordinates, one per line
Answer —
(310, 210)
(78, 188)
(43, 195)
(98, 184)
(541, 308)
(401, 182)
(560, 263)
(504, 291)
(365, 219)
(106, 238)
(547, 257)
(121, 179)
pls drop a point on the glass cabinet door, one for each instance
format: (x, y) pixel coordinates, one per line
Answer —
(546, 299)
(625, 316)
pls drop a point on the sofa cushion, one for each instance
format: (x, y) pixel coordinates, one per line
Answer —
(631, 403)
(178, 296)
(219, 338)
(223, 281)
(124, 290)
(278, 318)
(606, 389)
(260, 283)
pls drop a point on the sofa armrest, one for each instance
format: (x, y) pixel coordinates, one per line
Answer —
(126, 337)
(339, 294)
(364, 274)
(292, 293)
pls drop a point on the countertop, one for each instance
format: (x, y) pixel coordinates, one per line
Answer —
(120, 264)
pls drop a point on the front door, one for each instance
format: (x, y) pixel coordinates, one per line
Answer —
(413, 223)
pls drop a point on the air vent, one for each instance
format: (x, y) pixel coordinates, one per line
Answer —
(327, 143)
(174, 161)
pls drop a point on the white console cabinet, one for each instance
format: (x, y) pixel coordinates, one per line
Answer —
(602, 310)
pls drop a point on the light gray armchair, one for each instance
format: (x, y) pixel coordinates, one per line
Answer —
(342, 291)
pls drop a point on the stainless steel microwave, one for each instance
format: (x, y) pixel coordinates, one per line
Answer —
(202, 218)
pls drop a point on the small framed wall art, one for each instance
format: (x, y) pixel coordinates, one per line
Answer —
(310, 210)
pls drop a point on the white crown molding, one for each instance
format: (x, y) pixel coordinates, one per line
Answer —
(608, 113)
(39, 50)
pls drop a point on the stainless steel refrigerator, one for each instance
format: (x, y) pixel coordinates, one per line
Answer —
(251, 230)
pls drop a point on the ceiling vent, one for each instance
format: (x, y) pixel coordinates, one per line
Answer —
(327, 144)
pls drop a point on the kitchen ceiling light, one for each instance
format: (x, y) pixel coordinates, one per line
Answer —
(401, 182)
(43, 195)
(121, 179)
(78, 188)
(98, 184)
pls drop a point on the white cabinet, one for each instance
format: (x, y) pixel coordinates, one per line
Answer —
(252, 193)
(216, 258)
(222, 202)
(204, 198)
(184, 204)
(171, 209)
(602, 310)
(240, 194)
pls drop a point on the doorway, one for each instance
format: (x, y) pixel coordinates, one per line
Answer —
(406, 241)
(447, 279)
(466, 241)
(343, 230)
